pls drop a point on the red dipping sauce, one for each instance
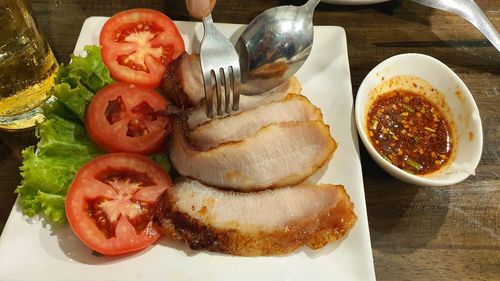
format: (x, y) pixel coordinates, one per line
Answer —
(409, 131)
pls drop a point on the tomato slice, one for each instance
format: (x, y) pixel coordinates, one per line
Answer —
(123, 117)
(110, 202)
(137, 44)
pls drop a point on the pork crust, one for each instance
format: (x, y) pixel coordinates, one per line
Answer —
(174, 82)
(327, 226)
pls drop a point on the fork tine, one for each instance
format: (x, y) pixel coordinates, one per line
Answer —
(227, 89)
(235, 85)
(218, 58)
(218, 90)
(207, 82)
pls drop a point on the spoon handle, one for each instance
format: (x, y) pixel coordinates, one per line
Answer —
(470, 11)
(481, 22)
(311, 4)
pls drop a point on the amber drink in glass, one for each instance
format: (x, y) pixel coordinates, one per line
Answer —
(27, 67)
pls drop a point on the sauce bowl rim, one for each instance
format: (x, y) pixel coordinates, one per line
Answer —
(360, 112)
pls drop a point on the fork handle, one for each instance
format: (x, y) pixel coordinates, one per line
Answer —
(207, 20)
(208, 25)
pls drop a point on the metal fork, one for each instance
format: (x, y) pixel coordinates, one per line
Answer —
(469, 10)
(220, 66)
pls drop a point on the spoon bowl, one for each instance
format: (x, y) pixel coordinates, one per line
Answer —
(274, 46)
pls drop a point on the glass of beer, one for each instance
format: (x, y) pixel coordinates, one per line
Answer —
(27, 67)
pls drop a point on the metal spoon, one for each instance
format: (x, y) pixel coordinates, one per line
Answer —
(274, 46)
(469, 10)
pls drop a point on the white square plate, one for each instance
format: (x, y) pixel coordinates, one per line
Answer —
(30, 250)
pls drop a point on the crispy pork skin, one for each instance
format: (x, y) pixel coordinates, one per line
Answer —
(277, 155)
(245, 124)
(198, 115)
(182, 82)
(270, 222)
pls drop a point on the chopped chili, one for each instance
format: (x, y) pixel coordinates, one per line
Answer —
(409, 131)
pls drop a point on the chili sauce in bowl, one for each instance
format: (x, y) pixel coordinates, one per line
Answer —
(410, 132)
(419, 121)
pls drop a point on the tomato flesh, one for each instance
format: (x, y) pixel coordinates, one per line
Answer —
(140, 34)
(126, 118)
(137, 45)
(110, 203)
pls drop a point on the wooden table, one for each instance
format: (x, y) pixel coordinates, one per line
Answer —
(417, 233)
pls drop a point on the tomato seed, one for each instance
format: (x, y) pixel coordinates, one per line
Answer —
(145, 111)
(100, 218)
(115, 110)
(136, 128)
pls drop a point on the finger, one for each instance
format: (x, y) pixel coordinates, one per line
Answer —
(200, 8)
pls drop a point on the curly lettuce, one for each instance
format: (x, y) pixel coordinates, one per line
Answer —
(63, 146)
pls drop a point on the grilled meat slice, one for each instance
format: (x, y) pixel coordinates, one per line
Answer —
(277, 155)
(183, 84)
(270, 222)
(245, 124)
(198, 115)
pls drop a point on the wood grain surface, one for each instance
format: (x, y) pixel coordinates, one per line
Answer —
(417, 233)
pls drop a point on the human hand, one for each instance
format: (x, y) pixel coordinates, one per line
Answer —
(200, 8)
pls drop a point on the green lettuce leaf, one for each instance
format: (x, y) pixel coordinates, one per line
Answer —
(48, 171)
(90, 71)
(162, 160)
(75, 99)
(64, 146)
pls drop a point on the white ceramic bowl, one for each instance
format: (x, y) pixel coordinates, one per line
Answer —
(461, 109)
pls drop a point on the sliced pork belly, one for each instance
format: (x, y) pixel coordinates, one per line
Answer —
(245, 124)
(270, 222)
(277, 155)
(182, 82)
(198, 114)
